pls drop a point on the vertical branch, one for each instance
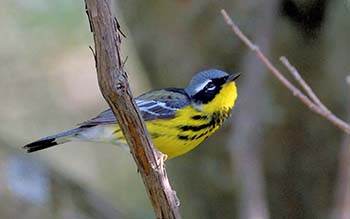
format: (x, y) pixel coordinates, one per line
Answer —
(245, 147)
(115, 89)
(341, 208)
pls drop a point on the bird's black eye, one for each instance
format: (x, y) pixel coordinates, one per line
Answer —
(210, 87)
(207, 93)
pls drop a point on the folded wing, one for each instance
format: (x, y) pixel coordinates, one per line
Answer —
(156, 104)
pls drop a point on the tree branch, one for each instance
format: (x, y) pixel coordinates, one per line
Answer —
(302, 83)
(245, 148)
(115, 89)
(314, 103)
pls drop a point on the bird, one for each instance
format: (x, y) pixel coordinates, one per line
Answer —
(178, 119)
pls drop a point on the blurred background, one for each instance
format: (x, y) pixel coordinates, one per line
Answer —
(274, 158)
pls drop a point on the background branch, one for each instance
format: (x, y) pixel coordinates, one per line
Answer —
(317, 106)
(341, 208)
(245, 147)
(115, 89)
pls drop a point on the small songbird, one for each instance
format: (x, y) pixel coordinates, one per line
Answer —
(177, 119)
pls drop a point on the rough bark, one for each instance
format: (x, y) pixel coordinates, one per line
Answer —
(115, 89)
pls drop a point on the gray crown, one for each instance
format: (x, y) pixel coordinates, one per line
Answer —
(201, 77)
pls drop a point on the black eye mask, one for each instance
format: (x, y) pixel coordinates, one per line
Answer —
(209, 91)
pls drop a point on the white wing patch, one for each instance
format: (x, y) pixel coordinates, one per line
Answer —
(154, 108)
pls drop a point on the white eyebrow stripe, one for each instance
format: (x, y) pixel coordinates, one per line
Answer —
(201, 86)
(212, 88)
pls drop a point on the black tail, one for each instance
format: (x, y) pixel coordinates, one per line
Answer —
(52, 140)
(40, 144)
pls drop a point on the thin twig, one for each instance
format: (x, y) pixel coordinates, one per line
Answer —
(237, 31)
(93, 52)
(296, 92)
(302, 83)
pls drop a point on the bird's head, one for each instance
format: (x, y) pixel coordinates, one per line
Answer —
(213, 90)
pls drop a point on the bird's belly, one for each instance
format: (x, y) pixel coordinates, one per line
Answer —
(173, 142)
(167, 137)
(172, 137)
(176, 147)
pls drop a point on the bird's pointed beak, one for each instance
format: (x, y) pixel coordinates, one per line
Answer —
(232, 77)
